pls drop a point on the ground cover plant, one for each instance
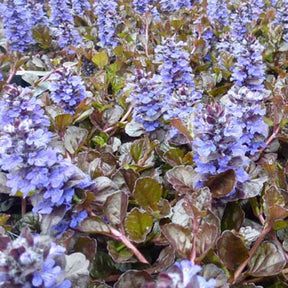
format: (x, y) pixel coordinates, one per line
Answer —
(143, 143)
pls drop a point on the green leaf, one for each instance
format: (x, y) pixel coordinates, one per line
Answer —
(222, 184)
(94, 225)
(100, 59)
(102, 266)
(3, 219)
(231, 250)
(137, 149)
(179, 237)
(133, 278)
(182, 178)
(147, 192)
(63, 121)
(115, 208)
(174, 156)
(137, 225)
(268, 260)
(119, 252)
(233, 217)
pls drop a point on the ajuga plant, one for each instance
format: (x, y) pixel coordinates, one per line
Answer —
(249, 69)
(33, 166)
(281, 17)
(107, 21)
(206, 208)
(246, 106)
(80, 6)
(143, 6)
(217, 11)
(63, 24)
(32, 261)
(147, 99)
(172, 6)
(67, 90)
(15, 14)
(179, 93)
(216, 145)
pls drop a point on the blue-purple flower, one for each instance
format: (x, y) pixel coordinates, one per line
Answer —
(18, 24)
(32, 261)
(182, 274)
(80, 6)
(147, 100)
(67, 90)
(33, 166)
(172, 6)
(249, 69)
(107, 21)
(177, 79)
(217, 11)
(281, 17)
(63, 22)
(216, 145)
(245, 105)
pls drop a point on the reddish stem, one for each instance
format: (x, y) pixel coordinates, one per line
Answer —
(118, 236)
(252, 252)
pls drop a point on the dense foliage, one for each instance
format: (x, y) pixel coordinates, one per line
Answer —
(143, 143)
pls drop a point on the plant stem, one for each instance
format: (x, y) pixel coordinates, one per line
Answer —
(252, 252)
(118, 236)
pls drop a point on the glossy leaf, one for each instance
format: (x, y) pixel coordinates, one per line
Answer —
(86, 246)
(147, 192)
(74, 137)
(133, 278)
(222, 184)
(231, 250)
(182, 178)
(115, 208)
(100, 59)
(93, 225)
(233, 217)
(179, 237)
(268, 260)
(119, 252)
(138, 224)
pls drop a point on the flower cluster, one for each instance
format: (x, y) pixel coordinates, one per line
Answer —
(15, 15)
(142, 6)
(281, 17)
(245, 15)
(146, 99)
(80, 6)
(177, 79)
(245, 105)
(172, 6)
(182, 274)
(67, 91)
(249, 69)
(32, 261)
(108, 19)
(38, 15)
(217, 11)
(217, 146)
(63, 23)
(25, 154)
